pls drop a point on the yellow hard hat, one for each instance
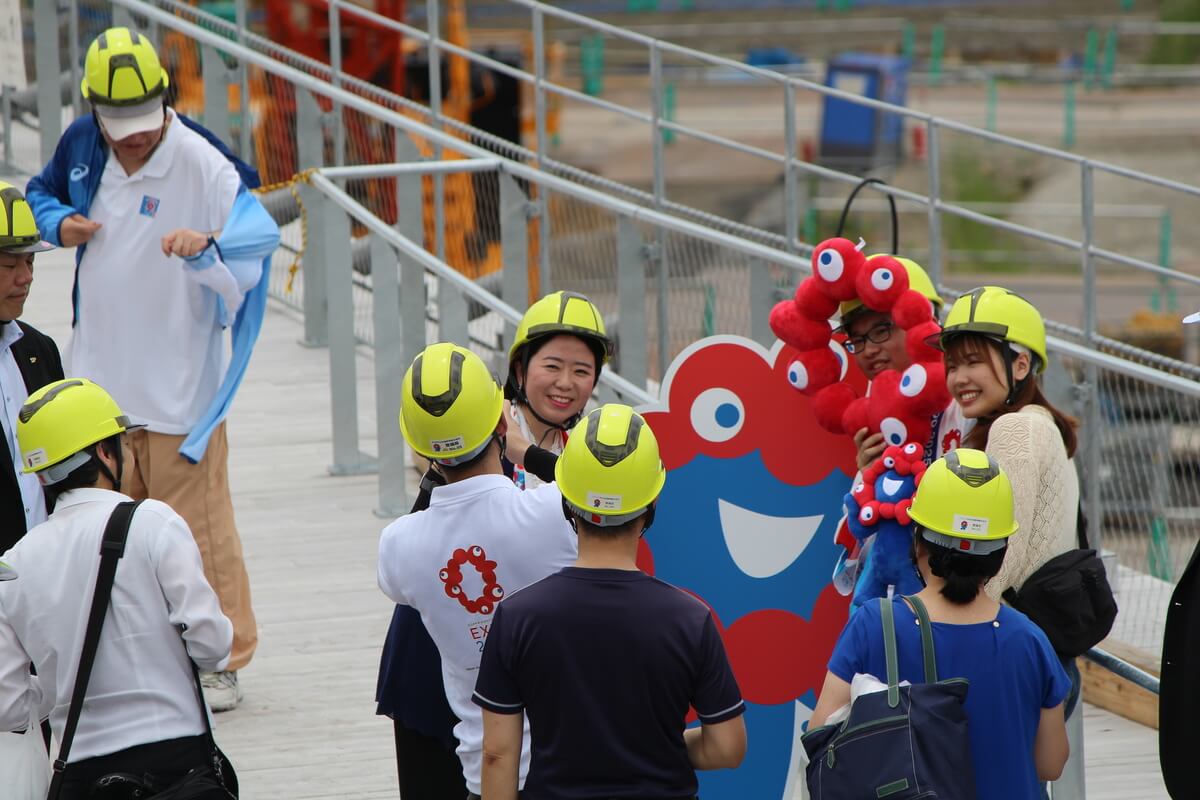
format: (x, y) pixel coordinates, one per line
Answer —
(449, 404)
(562, 312)
(610, 471)
(18, 229)
(1000, 314)
(122, 69)
(918, 279)
(965, 502)
(60, 420)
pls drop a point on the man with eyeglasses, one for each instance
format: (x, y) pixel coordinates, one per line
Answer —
(876, 344)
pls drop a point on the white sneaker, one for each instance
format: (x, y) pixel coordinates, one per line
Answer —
(221, 690)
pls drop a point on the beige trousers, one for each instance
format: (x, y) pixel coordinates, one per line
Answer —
(200, 494)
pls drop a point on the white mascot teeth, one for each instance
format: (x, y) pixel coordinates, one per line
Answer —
(761, 545)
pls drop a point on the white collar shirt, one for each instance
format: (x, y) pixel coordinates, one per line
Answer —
(480, 540)
(12, 396)
(141, 688)
(149, 328)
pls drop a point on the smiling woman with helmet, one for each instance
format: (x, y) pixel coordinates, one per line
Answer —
(965, 526)
(554, 363)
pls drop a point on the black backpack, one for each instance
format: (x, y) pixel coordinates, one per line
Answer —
(906, 743)
(1069, 598)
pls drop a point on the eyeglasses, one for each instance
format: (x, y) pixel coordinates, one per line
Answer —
(878, 335)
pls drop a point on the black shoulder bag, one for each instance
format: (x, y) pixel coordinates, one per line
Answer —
(215, 781)
(1069, 598)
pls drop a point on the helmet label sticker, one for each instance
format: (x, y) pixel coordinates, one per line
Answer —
(442, 445)
(604, 502)
(971, 526)
(35, 458)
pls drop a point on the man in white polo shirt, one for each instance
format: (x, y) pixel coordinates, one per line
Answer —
(171, 248)
(480, 540)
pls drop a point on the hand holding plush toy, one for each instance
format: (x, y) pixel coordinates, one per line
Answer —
(879, 506)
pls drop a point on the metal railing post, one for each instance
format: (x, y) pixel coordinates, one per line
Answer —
(389, 376)
(660, 196)
(215, 77)
(539, 89)
(433, 21)
(410, 223)
(49, 102)
(514, 247)
(539, 121)
(310, 151)
(631, 302)
(791, 203)
(121, 16)
(1094, 436)
(74, 55)
(335, 67)
(934, 264)
(245, 150)
(6, 113)
(333, 226)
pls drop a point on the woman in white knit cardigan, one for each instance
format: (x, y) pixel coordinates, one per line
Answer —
(995, 346)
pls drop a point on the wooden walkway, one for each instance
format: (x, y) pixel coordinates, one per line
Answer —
(307, 728)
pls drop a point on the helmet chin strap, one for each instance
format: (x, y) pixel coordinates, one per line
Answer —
(1013, 386)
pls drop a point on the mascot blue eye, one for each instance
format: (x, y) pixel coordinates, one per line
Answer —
(894, 431)
(717, 414)
(913, 381)
(797, 375)
(829, 265)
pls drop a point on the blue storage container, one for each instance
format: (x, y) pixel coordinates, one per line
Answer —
(857, 137)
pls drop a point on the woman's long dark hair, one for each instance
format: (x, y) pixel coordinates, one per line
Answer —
(1028, 392)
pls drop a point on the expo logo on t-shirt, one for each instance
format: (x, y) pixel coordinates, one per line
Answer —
(149, 207)
(451, 577)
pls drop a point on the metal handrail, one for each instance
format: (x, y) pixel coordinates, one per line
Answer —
(1124, 669)
(320, 179)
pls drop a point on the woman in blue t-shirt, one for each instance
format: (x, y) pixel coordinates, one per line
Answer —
(963, 512)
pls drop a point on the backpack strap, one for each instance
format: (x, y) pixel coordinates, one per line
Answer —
(889, 650)
(112, 548)
(927, 654)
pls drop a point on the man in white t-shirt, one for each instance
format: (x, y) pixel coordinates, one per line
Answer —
(480, 540)
(170, 253)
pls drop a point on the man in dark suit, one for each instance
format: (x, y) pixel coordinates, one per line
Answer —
(28, 360)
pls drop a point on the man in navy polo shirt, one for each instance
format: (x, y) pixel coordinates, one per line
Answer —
(603, 659)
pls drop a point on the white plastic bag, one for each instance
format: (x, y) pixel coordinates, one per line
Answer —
(24, 764)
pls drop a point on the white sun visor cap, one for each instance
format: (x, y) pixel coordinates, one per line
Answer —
(121, 122)
(1192, 317)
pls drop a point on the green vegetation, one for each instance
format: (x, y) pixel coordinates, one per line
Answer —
(1177, 49)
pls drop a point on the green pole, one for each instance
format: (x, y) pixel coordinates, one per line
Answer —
(936, 47)
(1089, 58)
(810, 225)
(668, 112)
(1164, 258)
(822, 5)
(1068, 140)
(1110, 57)
(1127, 5)
(708, 323)
(908, 41)
(991, 103)
(687, 5)
(591, 54)
(843, 5)
(1158, 554)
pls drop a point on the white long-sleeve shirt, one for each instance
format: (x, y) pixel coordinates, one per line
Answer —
(12, 396)
(141, 688)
